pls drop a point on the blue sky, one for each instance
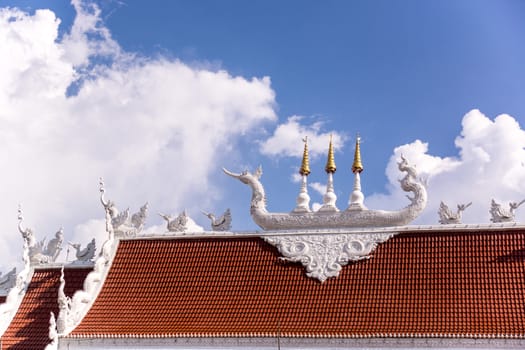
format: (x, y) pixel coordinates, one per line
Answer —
(394, 72)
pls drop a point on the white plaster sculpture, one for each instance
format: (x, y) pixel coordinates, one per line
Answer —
(222, 223)
(330, 197)
(124, 225)
(178, 224)
(72, 310)
(9, 308)
(447, 216)
(53, 333)
(356, 201)
(303, 199)
(7, 281)
(85, 255)
(40, 252)
(324, 255)
(343, 219)
(500, 214)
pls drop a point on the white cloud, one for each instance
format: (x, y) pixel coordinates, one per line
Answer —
(286, 140)
(318, 187)
(490, 164)
(155, 129)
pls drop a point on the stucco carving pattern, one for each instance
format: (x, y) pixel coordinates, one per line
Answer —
(329, 217)
(324, 255)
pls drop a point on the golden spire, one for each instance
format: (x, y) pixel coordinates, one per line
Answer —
(305, 164)
(357, 167)
(330, 163)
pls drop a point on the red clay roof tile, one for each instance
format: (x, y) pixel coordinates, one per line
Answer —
(416, 284)
(29, 328)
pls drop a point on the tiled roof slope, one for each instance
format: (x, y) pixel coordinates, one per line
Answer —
(416, 285)
(29, 328)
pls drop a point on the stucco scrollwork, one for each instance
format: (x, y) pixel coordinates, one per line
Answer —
(324, 255)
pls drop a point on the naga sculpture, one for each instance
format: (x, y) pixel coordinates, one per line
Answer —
(123, 224)
(500, 214)
(447, 216)
(335, 219)
(84, 255)
(222, 223)
(7, 281)
(38, 251)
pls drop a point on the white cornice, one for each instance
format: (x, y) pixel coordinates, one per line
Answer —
(459, 228)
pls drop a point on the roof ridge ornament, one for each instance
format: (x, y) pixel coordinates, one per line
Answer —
(7, 281)
(40, 252)
(124, 224)
(344, 219)
(222, 223)
(176, 224)
(85, 255)
(500, 214)
(357, 197)
(330, 198)
(12, 302)
(446, 216)
(303, 199)
(72, 310)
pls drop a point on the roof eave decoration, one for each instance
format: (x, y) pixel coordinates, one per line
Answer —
(72, 310)
(335, 219)
(324, 255)
(9, 308)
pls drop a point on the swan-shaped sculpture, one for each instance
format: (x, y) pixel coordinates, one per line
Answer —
(222, 223)
(87, 254)
(341, 219)
(500, 214)
(447, 216)
(177, 224)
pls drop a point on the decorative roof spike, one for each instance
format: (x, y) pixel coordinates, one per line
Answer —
(305, 164)
(303, 199)
(357, 166)
(330, 163)
(357, 197)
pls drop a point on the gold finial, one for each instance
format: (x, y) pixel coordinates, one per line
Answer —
(357, 167)
(305, 164)
(330, 163)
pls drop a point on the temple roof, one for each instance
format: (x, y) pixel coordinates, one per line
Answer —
(417, 284)
(29, 328)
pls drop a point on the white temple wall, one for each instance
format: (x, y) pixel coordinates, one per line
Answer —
(289, 343)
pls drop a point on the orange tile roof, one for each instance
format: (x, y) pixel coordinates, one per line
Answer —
(416, 285)
(29, 328)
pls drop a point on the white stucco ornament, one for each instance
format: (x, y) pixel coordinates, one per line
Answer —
(353, 216)
(447, 216)
(500, 214)
(124, 224)
(40, 252)
(86, 254)
(323, 255)
(221, 223)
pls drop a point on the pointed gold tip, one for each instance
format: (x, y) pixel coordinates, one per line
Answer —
(357, 167)
(305, 164)
(330, 163)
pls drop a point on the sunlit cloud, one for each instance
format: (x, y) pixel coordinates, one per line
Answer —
(490, 164)
(286, 140)
(155, 129)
